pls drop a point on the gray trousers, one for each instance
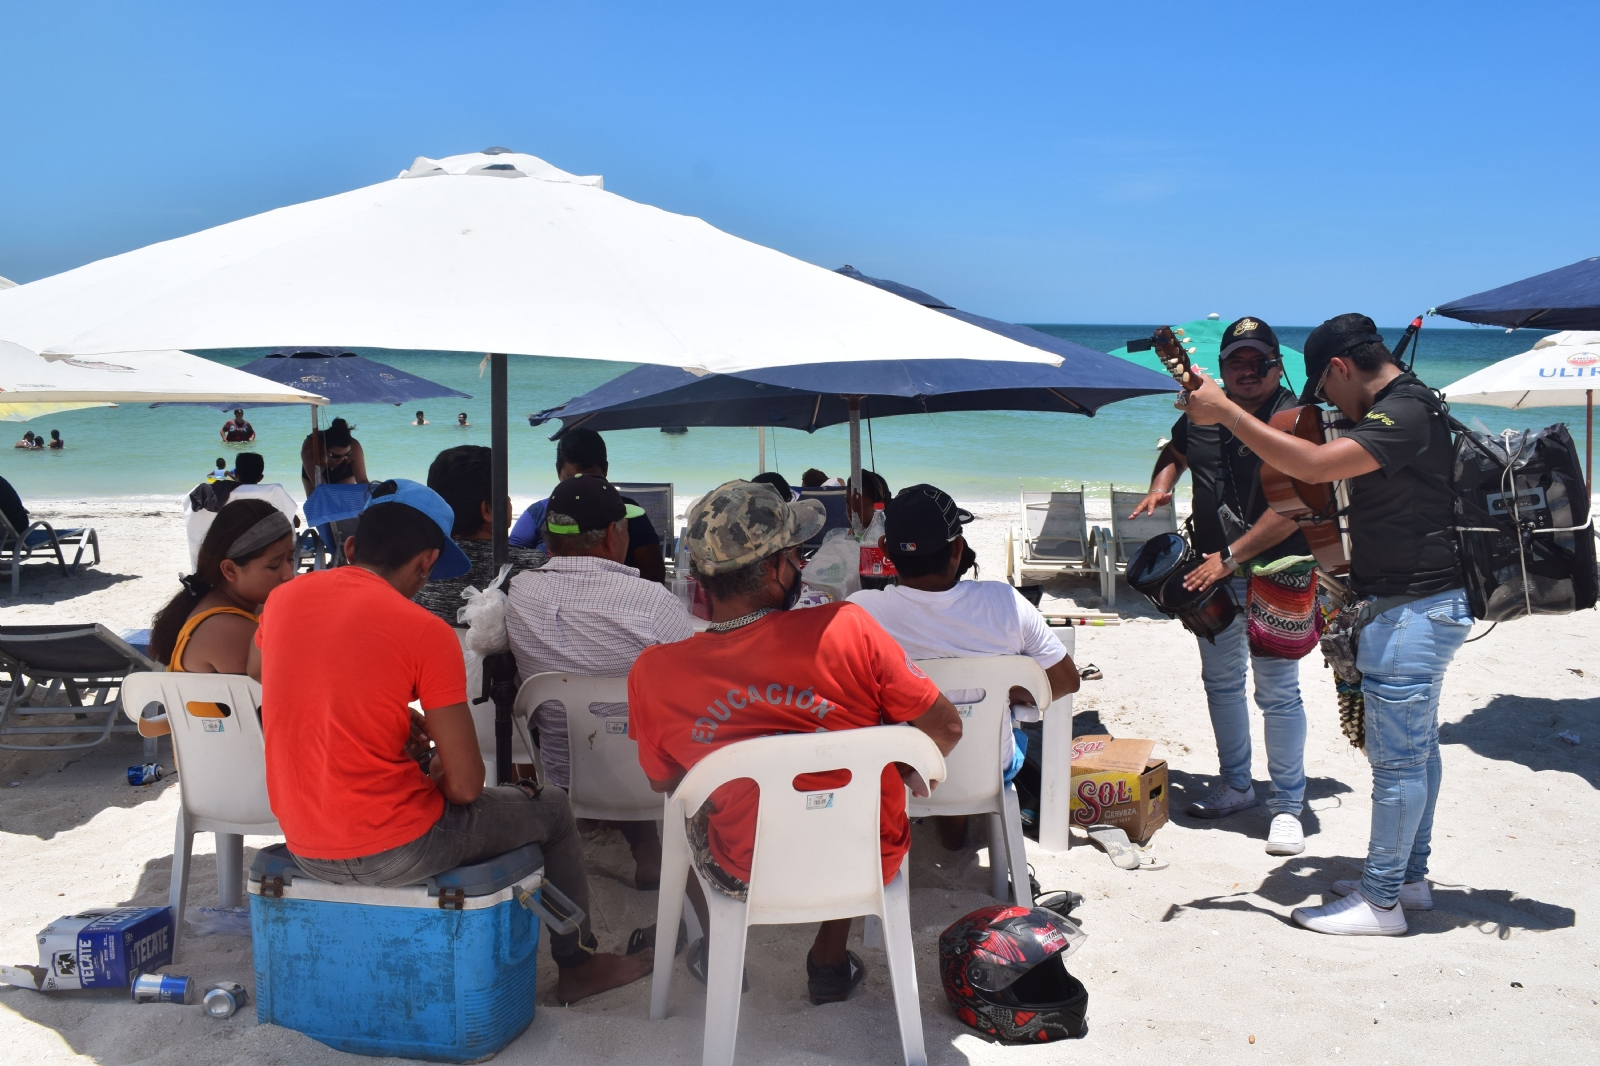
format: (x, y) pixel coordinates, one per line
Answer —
(499, 820)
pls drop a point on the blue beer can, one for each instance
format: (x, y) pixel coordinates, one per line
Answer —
(143, 775)
(160, 988)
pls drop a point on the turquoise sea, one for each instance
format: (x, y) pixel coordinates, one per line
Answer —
(137, 450)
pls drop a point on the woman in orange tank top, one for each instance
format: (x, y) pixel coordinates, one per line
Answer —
(209, 625)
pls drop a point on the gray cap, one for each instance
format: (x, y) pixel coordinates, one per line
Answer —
(740, 522)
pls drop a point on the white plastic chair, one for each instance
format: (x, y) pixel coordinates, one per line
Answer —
(976, 784)
(606, 780)
(222, 770)
(817, 858)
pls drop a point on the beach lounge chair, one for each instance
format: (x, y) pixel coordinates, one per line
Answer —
(18, 546)
(836, 503)
(817, 857)
(656, 499)
(222, 761)
(44, 661)
(976, 784)
(1055, 538)
(1129, 534)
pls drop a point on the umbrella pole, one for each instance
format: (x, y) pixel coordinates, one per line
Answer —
(316, 450)
(761, 446)
(854, 405)
(1588, 441)
(500, 671)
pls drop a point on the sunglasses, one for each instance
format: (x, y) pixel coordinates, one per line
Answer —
(1258, 366)
(1317, 393)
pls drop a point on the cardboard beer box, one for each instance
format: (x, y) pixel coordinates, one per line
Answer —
(1115, 782)
(104, 948)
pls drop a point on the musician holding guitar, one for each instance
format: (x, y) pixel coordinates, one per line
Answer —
(1398, 461)
(1231, 526)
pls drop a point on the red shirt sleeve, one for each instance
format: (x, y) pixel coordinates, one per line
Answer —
(904, 692)
(441, 669)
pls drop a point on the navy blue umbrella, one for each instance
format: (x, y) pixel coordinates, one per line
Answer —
(813, 395)
(343, 377)
(1568, 298)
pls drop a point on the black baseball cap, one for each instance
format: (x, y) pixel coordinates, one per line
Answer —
(1249, 332)
(922, 520)
(1334, 337)
(590, 501)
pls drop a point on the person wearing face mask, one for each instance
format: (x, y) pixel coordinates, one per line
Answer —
(585, 611)
(767, 670)
(1233, 526)
(933, 614)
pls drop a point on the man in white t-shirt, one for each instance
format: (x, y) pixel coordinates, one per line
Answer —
(200, 507)
(933, 614)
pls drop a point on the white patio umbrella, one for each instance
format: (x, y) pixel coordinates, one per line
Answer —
(1560, 370)
(133, 377)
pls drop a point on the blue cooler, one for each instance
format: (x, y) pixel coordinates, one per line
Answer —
(444, 970)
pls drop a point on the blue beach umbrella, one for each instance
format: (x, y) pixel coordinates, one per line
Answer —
(343, 377)
(1567, 298)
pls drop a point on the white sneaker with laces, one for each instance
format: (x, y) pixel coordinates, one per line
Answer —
(1286, 837)
(1223, 801)
(1352, 916)
(1414, 895)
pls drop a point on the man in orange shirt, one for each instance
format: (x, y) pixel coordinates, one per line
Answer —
(361, 795)
(762, 669)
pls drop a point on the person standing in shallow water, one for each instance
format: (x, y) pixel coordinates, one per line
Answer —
(55, 440)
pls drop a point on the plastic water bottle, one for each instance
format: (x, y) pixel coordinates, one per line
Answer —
(874, 563)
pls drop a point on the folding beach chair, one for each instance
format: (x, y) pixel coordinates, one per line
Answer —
(656, 499)
(1129, 534)
(836, 503)
(43, 662)
(325, 509)
(1055, 538)
(16, 547)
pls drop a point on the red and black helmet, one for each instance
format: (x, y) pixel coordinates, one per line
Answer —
(1004, 971)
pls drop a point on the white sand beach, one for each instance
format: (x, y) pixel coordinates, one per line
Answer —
(1185, 964)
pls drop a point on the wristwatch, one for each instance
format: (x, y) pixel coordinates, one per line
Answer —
(1227, 557)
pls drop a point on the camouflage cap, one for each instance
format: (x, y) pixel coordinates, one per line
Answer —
(740, 522)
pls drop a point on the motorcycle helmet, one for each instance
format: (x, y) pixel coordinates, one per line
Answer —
(1004, 971)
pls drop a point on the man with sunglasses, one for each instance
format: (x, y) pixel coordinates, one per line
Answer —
(1232, 526)
(1398, 460)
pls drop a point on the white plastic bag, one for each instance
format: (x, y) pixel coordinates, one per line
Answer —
(836, 568)
(485, 616)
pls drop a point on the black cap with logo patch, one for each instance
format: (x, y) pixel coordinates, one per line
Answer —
(1334, 337)
(590, 501)
(921, 520)
(1249, 332)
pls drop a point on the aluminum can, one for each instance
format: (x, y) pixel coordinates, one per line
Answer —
(223, 998)
(144, 775)
(160, 988)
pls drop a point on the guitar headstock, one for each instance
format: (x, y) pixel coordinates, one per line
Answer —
(1173, 349)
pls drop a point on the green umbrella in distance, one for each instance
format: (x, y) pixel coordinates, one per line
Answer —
(1204, 335)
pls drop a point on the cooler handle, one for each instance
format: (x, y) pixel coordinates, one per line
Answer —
(567, 920)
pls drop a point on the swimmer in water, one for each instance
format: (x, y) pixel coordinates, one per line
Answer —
(55, 440)
(420, 420)
(461, 420)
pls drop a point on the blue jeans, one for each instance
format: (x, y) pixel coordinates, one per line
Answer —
(1222, 669)
(1402, 655)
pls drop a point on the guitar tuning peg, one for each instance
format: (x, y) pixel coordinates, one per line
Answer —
(1191, 351)
(1180, 333)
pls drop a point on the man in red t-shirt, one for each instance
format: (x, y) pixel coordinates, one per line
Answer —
(361, 795)
(762, 669)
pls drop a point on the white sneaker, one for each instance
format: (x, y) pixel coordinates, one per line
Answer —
(1414, 895)
(1223, 801)
(1352, 916)
(1286, 837)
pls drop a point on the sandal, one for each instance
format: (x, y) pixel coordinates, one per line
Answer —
(1063, 903)
(696, 964)
(642, 939)
(1114, 842)
(1090, 672)
(833, 984)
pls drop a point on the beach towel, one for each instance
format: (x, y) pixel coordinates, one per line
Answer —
(1281, 608)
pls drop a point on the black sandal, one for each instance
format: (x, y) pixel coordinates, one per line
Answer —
(643, 939)
(696, 964)
(833, 984)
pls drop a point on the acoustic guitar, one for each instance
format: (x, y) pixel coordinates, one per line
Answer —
(1320, 509)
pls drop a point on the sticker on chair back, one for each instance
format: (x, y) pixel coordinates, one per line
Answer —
(615, 726)
(202, 709)
(819, 801)
(212, 725)
(964, 710)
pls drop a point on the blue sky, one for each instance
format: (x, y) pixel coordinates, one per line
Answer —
(1056, 162)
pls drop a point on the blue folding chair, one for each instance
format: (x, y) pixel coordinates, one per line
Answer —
(834, 502)
(325, 508)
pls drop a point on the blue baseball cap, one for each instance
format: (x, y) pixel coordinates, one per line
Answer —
(452, 562)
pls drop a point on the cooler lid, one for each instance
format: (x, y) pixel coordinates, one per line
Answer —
(481, 879)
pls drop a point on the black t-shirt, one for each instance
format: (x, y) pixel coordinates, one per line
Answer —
(1401, 541)
(11, 507)
(1225, 471)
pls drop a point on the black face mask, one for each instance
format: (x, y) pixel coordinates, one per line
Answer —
(969, 561)
(791, 594)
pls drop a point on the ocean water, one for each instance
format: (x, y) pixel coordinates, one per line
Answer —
(138, 450)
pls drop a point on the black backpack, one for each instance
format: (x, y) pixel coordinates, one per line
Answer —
(1523, 530)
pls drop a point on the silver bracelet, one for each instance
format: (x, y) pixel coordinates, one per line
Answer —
(1234, 429)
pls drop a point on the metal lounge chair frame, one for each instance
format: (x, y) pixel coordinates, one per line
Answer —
(18, 547)
(44, 656)
(1055, 538)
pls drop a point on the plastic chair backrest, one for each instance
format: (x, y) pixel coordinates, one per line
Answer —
(221, 758)
(1131, 533)
(817, 853)
(974, 766)
(834, 502)
(1057, 527)
(656, 499)
(606, 780)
